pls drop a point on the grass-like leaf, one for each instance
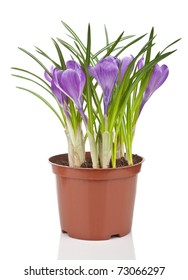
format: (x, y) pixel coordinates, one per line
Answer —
(108, 46)
(110, 50)
(89, 83)
(69, 47)
(171, 45)
(32, 74)
(148, 52)
(61, 58)
(33, 81)
(131, 43)
(75, 36)
(37, 60)
(41, 52)
(45, 102)
(88, 51)
(79, 50)
(107, 38)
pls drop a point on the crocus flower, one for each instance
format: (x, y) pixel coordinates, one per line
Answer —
(158, 77)
(106, 73)
(60, 96)
(124, 65)
(71, 83)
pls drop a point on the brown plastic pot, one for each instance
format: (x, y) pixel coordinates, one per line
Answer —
(95, 204)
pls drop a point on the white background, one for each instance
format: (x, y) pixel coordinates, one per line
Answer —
(30, 134)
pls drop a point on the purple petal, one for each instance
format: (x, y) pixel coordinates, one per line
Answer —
(140, 63)
(57, 93)
(112, 59)
(164, 75)
(92, 72)
(71, 64)
(72, 83)
(56, 89)
(125, 63)
(106, 74)
(47, 76)
(158, 77)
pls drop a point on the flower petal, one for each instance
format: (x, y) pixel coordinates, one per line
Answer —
(72, 85)
(106, 74)
(125, 63)
(56, 89)
(92, 72)
(140, 63)
(158, 77)
(47, 76)
(58, 93)
(163, 77)
(71, 64)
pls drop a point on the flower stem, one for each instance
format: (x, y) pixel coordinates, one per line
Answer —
(129, 150)
(114, 152)
(76, 144)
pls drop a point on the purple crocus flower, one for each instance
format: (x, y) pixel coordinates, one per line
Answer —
(71, 83)
(61, 97)
(124, 65)
(158, 77)
(106, 73)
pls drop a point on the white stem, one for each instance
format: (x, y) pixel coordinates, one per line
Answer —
(120, 150)
(93, 150)
(105, 155)
(76, 146)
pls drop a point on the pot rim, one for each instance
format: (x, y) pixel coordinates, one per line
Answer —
(91, 169)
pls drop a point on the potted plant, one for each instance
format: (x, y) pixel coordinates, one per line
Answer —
(100, 96)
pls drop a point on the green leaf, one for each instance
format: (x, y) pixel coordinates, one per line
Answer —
(69, 47)
(148, 52)
(110, 50)
(128, 45)
(33, 81)
(37, 60)
(81, 54)
(46, 56)
(30, 73)
(75, 36)
(61, 58)
(171, 45)
(88, 50)
(107, 47)
(107, 38)
(89, 83)
(44, 101)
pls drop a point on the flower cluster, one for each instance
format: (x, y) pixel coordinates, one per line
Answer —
(70, 82)
(106, 93)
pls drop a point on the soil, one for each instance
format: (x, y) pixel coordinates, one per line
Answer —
(121, 162)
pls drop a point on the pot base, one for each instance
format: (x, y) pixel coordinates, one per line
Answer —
(97, 238)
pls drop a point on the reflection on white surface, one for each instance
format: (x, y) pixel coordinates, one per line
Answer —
(117, 248)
